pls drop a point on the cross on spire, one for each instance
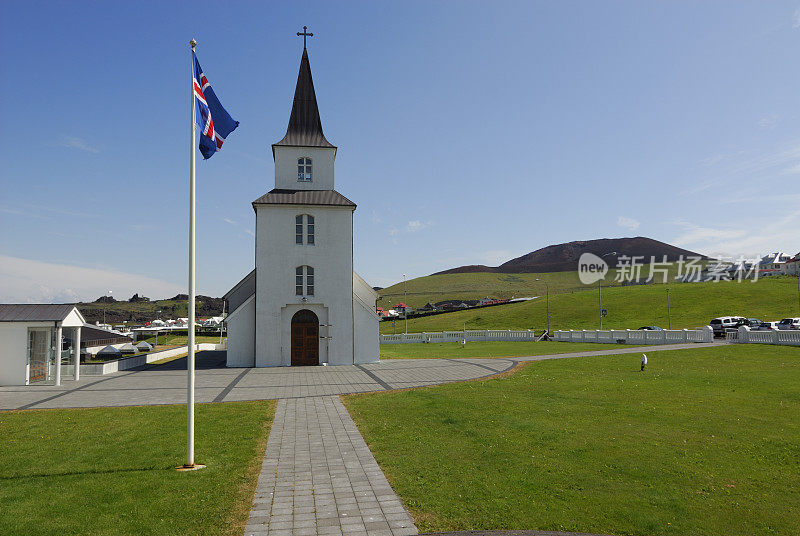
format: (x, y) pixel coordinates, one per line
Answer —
(305, 34)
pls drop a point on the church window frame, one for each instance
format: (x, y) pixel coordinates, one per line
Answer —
(305, 169)
(304, 230)
(304, 280)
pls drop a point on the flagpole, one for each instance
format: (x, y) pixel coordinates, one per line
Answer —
(190, 356)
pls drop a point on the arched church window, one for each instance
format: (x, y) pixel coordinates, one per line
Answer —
(304, 281)
(304, 170)
(304, 229)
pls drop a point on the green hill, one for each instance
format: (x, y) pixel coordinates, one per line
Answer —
(137, 312)
(692, 305)
(474, 286)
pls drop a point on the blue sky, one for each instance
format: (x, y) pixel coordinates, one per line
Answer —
(468, 132)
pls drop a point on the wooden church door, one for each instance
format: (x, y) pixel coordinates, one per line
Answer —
(305, 338)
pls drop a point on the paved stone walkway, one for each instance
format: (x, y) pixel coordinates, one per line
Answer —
(166, 384)
(319, 478)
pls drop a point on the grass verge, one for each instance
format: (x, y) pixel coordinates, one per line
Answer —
(112, 470)
(704, 442)
(489, 349)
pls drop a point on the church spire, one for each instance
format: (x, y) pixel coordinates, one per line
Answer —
(305, 126)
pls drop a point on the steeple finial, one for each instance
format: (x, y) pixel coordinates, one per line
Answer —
(305, 34)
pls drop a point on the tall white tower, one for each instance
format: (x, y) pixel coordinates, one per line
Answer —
(307, 305)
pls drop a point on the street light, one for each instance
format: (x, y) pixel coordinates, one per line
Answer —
(547, 287)
(669, 313)
(405, 304)
(600, 291)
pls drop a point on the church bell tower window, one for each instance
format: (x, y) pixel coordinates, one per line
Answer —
(304, 281)
(304, 170)
(299, 236)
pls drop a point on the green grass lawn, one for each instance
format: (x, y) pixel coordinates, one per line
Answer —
(705, 442)
(692, 305)
(488, 349)
(111, 470)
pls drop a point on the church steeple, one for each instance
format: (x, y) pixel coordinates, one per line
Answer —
(305, 126)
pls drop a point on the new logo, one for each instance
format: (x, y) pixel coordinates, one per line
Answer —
(591, 268)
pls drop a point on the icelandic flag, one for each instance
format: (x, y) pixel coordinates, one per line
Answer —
(214, 121)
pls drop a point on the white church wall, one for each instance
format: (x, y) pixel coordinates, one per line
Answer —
(365, 322)
(286, 168)
(242, 334)
(277, 256)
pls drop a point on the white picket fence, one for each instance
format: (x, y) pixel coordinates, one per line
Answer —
(457, 336)
(628, 336)
(788, 337)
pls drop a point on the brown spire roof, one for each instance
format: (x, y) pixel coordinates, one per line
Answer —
(305, 127)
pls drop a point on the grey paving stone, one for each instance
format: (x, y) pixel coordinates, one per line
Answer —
(319, 478)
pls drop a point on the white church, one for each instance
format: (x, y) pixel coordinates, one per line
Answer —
(302, 304)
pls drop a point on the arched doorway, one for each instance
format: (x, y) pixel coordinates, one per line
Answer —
(305, 338)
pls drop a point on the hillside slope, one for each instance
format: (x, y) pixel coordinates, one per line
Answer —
(692, 305)
(564, 257)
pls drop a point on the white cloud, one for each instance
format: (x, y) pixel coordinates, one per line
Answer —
(392, 232)
(769, 120)
(628, 223)
(77, 143)
(251, 233)
(227, 220)
(416, 225)
(29, 281)
(796, 19)
(794, 170)
(776, 234)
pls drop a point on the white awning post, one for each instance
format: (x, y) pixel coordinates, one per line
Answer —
(59, 334)
(76, 343)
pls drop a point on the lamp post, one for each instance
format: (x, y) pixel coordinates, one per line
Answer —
(405, 304)
(547, 290)
(669, 312)
(600, 291)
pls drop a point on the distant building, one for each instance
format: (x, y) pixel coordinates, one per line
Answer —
(32, 342)
(792, 266)
(773, 261)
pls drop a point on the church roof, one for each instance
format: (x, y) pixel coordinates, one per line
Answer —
(305, 126)
(303, 197)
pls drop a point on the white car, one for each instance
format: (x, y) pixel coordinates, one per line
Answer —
(767, 326)
(789, 323)
(724, 323)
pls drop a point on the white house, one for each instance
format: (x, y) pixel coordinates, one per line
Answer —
(31, 336)
(302, 304)
(792, 266)
(773, 261)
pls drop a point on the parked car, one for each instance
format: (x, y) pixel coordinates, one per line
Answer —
(724, 323)
(651, 328)
(767, 326)
(753, 323)
(789, 323)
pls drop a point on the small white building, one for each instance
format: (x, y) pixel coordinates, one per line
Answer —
(302, 304)
(792, 266)
(32, 343)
